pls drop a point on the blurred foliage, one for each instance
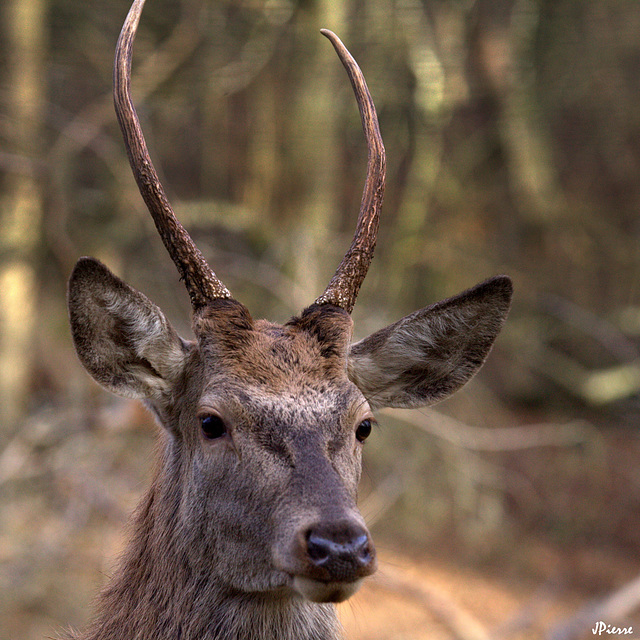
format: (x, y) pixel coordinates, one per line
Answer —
(513, 143)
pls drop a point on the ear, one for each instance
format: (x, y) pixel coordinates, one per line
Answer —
(121, 337)
(431, 353)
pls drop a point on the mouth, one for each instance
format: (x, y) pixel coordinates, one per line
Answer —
(318, 591)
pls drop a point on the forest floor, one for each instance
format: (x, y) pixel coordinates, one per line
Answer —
(415, 598)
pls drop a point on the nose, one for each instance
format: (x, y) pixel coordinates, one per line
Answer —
(340, 552)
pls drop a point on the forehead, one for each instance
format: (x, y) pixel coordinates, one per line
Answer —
(272, 359)
(308, 352)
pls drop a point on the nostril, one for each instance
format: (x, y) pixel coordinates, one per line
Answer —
(319, 549)
(362, 549)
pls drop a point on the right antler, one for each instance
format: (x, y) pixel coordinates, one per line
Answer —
(343, 288)
(202, 283)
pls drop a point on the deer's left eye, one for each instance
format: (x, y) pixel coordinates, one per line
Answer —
(213, 426)
(364, 430)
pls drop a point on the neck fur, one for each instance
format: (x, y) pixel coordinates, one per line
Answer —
(155, 596)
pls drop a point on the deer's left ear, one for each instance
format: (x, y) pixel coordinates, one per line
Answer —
(431, 353)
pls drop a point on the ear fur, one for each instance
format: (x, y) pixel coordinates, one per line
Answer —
(122, 338)
(426, 356)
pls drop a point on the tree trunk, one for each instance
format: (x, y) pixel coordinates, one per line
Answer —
(21, 211)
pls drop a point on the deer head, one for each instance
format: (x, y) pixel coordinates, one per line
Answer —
(262, 424)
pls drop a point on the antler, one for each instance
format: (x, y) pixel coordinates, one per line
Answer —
(345, 284)
(201, 282)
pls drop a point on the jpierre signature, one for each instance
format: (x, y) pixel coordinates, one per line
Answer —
(602, 627)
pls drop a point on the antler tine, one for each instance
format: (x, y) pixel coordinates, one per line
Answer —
(201, 282)
(343, 288)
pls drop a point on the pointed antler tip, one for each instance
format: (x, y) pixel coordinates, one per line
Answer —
(330, 35)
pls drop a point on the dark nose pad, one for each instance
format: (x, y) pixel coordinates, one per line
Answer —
(340, 553)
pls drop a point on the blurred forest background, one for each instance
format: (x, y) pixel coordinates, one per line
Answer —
(512, 130)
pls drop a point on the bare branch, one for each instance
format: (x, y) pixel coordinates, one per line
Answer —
(488, 439)
(615, 608)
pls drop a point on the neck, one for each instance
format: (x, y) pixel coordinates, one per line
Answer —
(155, 595)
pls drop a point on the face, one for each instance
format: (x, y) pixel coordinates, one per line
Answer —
(274, 437)
(265, 423)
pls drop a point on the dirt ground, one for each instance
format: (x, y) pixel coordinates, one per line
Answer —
(415, 599)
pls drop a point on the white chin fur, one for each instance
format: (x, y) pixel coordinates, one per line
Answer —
(325, 591)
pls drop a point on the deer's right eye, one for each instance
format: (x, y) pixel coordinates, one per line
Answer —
(212, 426)
(364, 430)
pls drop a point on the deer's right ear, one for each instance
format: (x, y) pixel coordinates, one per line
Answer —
(122, 338)
(431, 353)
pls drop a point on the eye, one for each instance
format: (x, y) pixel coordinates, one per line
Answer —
(364, 430)
(212, 426)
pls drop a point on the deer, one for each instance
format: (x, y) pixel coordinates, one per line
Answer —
(250, 528)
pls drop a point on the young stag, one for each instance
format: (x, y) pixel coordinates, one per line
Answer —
(250, 529)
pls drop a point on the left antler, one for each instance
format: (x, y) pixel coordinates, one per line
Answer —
(343, 288)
